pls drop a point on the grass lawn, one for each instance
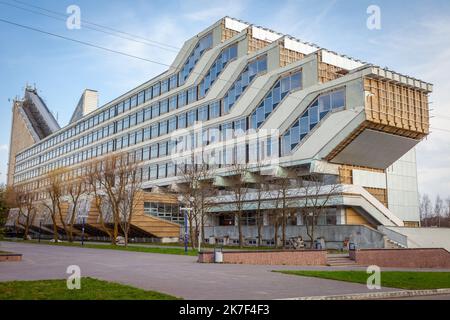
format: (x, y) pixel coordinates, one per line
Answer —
(91, 289)
(179, 251)
(394, 279)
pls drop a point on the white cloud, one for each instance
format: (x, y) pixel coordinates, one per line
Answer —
(4, 148)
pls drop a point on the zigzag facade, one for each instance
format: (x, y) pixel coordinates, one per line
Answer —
(311, 111)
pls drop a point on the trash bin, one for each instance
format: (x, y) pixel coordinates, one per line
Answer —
(318, 245)
(218, 256)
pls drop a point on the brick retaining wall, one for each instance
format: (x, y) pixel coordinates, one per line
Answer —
(10, 257)
(403, 258)
(285, 257)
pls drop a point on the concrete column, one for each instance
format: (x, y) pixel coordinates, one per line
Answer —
(299, 219)
(340, 216)
(265, 219)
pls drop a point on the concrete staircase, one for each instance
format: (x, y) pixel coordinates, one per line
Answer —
(391, 244)
(339, 260)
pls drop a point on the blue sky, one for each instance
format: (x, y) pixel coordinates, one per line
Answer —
(414, 39)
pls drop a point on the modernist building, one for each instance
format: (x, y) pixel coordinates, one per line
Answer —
(314, 112)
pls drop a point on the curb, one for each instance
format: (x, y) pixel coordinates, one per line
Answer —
(378, 295)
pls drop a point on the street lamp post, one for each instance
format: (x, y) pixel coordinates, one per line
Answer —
(185, 210)
(40, 229)
(82, 230)
(185, 232)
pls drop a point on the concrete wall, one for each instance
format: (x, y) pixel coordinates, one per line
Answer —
(403, 194)
(21, 138)
(425, 237)
(334, 236)
(288, 257)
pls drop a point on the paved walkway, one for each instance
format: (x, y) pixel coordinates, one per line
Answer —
(173, 274)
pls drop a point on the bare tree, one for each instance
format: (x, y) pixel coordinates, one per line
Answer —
(197, 194)
(115, 182)
(91, 179)
(425, 209)
(317, 196)
(4, 206)
(262, 191)
(447, 211)
(438, 210)
(239, 189)
(283, 184)
(55, 191)
(25, 202)
(128, 174)
(76, 187)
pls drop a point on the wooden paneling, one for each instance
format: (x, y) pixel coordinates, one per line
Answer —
(255, 44)
(227, 33)
(354, 218)
(397, 106)
(328, 72)
(289, 56)
(157, 227)
(346, 177)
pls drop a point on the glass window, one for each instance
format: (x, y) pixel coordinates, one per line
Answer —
(126, 105)
(182, 99)
(304, 125)
(154, 171)
(296, 81)
(324, 103)
(214, 110)
(156, 90)
(154, 151)
(338, 99)
(173, 103)
(148, 94)
(141, 97)
(262, 65)
(139, 136)
(203, 113)
(164, 106)
(133, 120)
(162, 171)
(172, 124)
(126, 123)
(163, 149)
(147, 133)
(182, 121)
(154, 130)
(192, 95)
(163, 127)
(147, 113)
(285, 85)
(125, 141)
(173, 82)
(133, 101)
(155, 111)
(120, 109)
(191, 117)
(164, 85)
(146, 154)
(232, 52)
(313, 115)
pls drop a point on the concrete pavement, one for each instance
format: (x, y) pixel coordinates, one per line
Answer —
(173, 274)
